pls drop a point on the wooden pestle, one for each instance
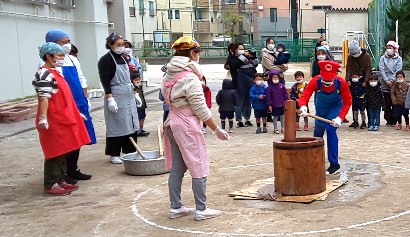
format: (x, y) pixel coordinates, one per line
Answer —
(290, 121)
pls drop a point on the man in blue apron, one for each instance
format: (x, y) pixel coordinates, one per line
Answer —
(332, 101)
(72, 73)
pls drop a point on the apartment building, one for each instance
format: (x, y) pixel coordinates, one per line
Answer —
(143, 21)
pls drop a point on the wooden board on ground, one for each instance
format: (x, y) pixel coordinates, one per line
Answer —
(264, 190)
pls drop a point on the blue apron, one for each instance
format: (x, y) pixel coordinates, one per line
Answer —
(71, 76)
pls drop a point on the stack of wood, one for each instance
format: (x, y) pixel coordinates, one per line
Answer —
(17, 111)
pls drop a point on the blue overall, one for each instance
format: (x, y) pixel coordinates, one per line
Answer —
(328, 105)
(71, 76)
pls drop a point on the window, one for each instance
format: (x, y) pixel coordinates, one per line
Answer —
(151, 8)
(169, 14)
(273, 15)
(230, 1)
(141, 4)
(322, 7)
(132, 11)
(177, 14)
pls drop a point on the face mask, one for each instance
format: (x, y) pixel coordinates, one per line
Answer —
(373, 83)
(58, 62)
(280, 50)
(127, 51)
(197, 61)
(137, 84)
(241, 51)
(390, 51)
(355, 79)
(299, 81)
(400, 80)
(321, 57)
(119, 50)
(66, 48)
(327, 83)
(259, 83)
(275, 81)
(356, 55)
(270, 47)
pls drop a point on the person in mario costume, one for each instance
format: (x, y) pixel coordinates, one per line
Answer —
(332, 101)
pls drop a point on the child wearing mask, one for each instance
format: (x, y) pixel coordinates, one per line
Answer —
(133, 62)
(398, 96)
(258, 98)
(295, 93)
(276, 95)
(141, 105)
(282, 56)
(208, 99)
(358, 92)
(374, 100)
(227, 102)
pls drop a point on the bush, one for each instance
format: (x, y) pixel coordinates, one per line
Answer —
(406, 62)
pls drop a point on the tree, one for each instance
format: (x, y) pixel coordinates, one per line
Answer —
(400, 12)
(231, 20)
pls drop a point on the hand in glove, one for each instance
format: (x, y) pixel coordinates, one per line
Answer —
(303, 111)
(221, 134)
(112, 105)
(138, 100)
(89, 105)
(337, 122)
(42, 122)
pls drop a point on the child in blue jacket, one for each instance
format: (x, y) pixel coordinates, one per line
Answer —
(258, 98)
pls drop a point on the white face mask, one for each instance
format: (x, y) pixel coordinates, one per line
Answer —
(275, 81)
(119, 50)
(127, 51)
(241, 51)
(355, 79)
(58, 62)
(327, 83)
(321, 57)
(390, 52)
(373, 83)
(280, 50)
(137, 84)
(270, 47)
(259, 83)
(356, 55)
(66, 48)
(400, 80)
(299, 81)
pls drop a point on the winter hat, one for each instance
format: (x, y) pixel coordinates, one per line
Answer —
(322, 48)
(56, 35)
(273, 72)
(49, 48)
(354, 47)
(394, 45)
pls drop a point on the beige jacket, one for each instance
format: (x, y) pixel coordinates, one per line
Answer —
(268, 61)
(187, 91)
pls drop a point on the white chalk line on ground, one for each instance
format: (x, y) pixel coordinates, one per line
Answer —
(187, 230)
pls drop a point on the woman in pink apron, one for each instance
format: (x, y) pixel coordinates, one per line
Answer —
(182, 90)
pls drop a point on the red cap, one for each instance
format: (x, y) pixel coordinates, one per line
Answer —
(328, 69)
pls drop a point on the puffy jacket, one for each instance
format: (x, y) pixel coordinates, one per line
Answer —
(226, 97)
(276, 95)
(399, 93)
(388, 67)
(254, 93)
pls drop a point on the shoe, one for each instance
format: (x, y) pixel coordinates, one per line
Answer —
(116, 160)
(370, 128)
(376, 128)
(142, 133)
(398, 126)
(203, 130)
(354, 125)
(333, 169)
(298, 127)
(258, 130)
(71, 187)
(264, 130)
(182, 211)
(269, 120)
(345, 121)
(57, 190)
(248, 123)
(276, 131)
(282, 131)
(306, 127)
(208, 213)
(145, 133)
(79, 176)
(407, 128)
(70, 180)
(363, 125)
(230, 130)
(240, 125)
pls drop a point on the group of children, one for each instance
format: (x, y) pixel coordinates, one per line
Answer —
(266, 100)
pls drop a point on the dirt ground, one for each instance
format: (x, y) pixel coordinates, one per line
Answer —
(375, 201)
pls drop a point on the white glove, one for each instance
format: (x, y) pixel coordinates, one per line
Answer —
(42, 122)
(221, 134)
(303, 111)
(337, 122)
(138, 100)
(89, 105)
(112, 105)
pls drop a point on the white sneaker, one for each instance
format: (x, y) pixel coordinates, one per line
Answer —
(208, 213)
(116, 160)
(182, 211)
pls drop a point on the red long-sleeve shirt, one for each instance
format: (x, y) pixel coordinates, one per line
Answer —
(344, 93)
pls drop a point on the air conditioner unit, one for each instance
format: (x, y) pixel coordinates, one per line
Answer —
(260, 8)
(111, 25)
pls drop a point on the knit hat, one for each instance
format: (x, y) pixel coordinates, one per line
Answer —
(328, 69)
(322, 48)
(185, 42)
(56, 35)
(49, 48)
(394, 45)
(354, 47)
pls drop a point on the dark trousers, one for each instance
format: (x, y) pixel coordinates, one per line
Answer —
(388, 109)
(54, 170)
(71, 160)
(165, 116)
(114, 145)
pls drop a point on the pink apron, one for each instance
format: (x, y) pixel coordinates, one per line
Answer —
(186, 128)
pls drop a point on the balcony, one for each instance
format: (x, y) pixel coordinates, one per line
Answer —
(202, 26)
(201, 3)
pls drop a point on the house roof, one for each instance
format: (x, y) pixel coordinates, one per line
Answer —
(347, 9)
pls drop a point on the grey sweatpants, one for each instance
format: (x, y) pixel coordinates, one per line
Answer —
(175, 179)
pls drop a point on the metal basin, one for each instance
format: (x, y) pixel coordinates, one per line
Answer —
(135, 165)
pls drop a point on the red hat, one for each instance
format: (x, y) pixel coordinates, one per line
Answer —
(328, 69)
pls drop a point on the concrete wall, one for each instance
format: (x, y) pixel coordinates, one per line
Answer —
(340, 22)
(118, 13)
(264, 27)
(22, 34)
(137, 27)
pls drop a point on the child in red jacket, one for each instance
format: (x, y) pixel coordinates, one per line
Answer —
(208, 99)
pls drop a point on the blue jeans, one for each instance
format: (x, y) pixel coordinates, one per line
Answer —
(243, 107)
(332, 142)
(374, 116)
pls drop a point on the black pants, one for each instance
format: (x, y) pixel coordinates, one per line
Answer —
(71, 160)
(54, 170)
(389, 115)
(165, 116)
(114, 145)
